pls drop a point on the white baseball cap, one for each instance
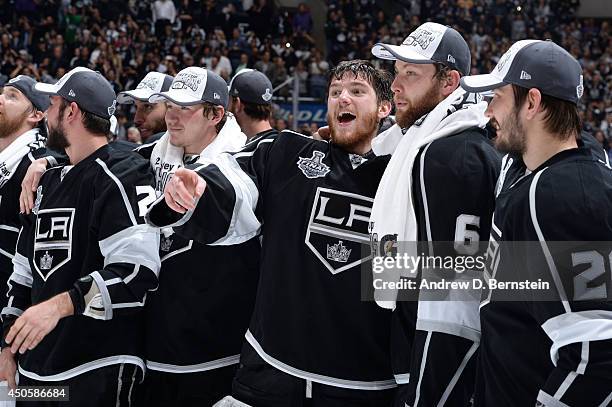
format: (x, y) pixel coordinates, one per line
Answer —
(153, 82)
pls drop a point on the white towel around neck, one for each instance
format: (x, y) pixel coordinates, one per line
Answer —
(167, 158)
(393, 210)
(12, 155)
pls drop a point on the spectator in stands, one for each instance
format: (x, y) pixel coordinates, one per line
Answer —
(163, 13)
(114, 37)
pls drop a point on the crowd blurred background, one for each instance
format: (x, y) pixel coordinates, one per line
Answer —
(124, 39)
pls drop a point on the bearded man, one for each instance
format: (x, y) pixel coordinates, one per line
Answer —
(311, 341)
(22, 139)
(438, 187)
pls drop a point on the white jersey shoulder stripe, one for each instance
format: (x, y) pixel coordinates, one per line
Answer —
(126, 201)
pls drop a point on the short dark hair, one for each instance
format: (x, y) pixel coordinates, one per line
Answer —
(209, 109)
(561, 115)
(256, 111)
(379, 79)
(92, 123)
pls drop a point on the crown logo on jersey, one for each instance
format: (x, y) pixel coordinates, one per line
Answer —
(38, 200)
(165, 244)
(338, 252)
(356, 160)
(313, 167)
(267, 96)
(46, 261)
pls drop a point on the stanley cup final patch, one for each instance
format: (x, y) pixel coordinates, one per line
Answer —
(313, 167)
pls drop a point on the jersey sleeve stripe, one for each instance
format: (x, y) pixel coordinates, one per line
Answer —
(126, 201)
(422, 369)
(457, 375)
(576, 327)
(547, 255)
(584, 358)
(549, 401)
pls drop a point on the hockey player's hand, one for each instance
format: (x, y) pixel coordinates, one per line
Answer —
(8, 367)
(322, 134)
(30, 183)
(37, 321)
(183, 190)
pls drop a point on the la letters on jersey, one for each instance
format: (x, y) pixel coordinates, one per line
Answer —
(338, 229)
(53, 240)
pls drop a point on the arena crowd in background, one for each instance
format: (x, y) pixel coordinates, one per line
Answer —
(126, 39)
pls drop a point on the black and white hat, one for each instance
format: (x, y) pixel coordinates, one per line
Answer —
(533, 64)
(153, 82)
(428, 44)
(25, 84)
(251, 86)
(88, 89)
(193, 86)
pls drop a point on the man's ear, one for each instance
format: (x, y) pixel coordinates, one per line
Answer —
(533, 103)
(35, 117)
(450, 83)
(238, 106)
(72, 111)
(384, 109)
(219, 112)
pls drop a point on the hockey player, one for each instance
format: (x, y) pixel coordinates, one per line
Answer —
(551, 348)
(311, 339)
(197, 317)
(85, 261)
(22, 138)
(251, 102)
(440, 140)
(149, 117)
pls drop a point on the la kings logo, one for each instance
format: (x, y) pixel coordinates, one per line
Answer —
(338, 229)
(53, 240)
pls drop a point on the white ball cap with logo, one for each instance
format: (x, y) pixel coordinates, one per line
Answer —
(153, 82)
(195, 85)
(430, 43)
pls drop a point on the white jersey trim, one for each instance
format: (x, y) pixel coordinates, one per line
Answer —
(549, 259)
(549, 401)
(200, 367)
(403, 378)
(576, 327)
(317, 378)
(457, 375)
(86, 367)
(126, 201)
(462, 331)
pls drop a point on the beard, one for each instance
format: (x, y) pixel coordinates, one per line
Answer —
(419, 108)
(512, 138)
(8, 127)
(351, 140)
(157, 126)
(56, 139)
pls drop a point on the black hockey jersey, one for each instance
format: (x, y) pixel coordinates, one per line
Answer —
(197, 318)
(87, 236)
(453, 182)
(9, 218)
(314, 201)
(552, 347)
